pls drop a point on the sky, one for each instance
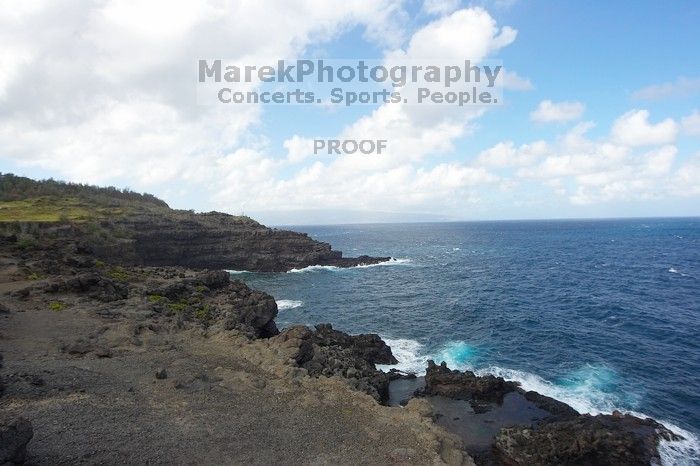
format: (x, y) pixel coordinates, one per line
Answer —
(600, 118)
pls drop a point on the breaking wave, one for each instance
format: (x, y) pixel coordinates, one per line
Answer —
(284, 304)
(318, 268)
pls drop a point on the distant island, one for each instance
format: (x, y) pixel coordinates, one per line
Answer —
(124, 340)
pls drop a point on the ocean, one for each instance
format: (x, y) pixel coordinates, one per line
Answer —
(601, 314)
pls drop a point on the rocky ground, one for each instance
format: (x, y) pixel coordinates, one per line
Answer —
(168, 365)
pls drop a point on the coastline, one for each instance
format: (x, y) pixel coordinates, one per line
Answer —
(198, 336)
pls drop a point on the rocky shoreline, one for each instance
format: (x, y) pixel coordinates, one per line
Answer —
(71, 342)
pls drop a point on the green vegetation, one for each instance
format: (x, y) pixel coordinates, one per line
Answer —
(18, 188)
(119, 273)
(34, 276)
(26, 242)
(25, 200)
(156, 298)
(203, 313)
(178, 307)
(57, 306)
(53, 209)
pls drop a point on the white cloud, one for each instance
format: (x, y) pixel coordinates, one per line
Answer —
(440, 7)
(633, 129)
(548, 111)
(681, 87)
(98, 91)
(691, 124)
(510, 80)
(469, 33)
(505, 154)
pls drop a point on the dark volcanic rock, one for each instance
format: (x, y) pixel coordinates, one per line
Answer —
(328, 352)
(558, 410)
(603, 440)
(219, 241)
(369, 347)
(15, 434)
(440, 380)
(210, 297)
(95, 285)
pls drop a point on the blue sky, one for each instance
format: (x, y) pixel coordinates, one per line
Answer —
(97, 93)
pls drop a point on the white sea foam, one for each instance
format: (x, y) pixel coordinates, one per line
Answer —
(235, 272)
(333, 268)
(284, 304)
(678, 453)
(392, 261)
(585, 394)
(672, 270)
(409, 353)
(314, 268)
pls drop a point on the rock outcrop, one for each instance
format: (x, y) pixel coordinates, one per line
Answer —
(327, 352)
(603, 440)
(440, 380)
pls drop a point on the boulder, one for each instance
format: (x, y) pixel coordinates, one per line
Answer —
(15, 434)
(440, 380)
(369, 347)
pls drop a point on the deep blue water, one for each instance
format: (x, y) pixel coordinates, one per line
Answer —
(601, 314)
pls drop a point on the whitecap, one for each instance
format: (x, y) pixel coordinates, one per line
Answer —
(314, 268)
(684, 452)
(585, 391)
(333, 268)
(236, 272)
(284, 304)
(672, 270)
(392, 261)
(409, 353)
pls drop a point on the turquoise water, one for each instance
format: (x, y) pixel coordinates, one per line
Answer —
(600, 314)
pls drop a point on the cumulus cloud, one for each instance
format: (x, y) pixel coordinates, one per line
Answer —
(95, 91)
(397, 178)
(634, 129)
(691, 124)
(548, 111)
(440, 7)
(511, 81)
(681, 87)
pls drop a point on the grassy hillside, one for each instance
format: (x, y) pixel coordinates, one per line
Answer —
(26, 200)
